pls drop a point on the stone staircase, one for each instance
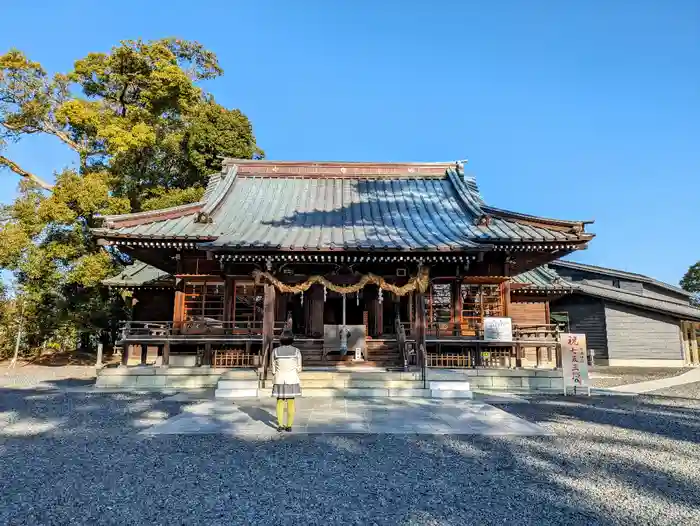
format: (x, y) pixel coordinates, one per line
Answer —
(238, 383)
(340, 382)
(380, 353)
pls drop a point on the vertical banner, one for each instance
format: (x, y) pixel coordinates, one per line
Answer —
(575, 362)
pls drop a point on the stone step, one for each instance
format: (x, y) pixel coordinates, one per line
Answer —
(240, 374)
(446, 385)
(238, 384)
(352, 383)
(446, 393)
(236, 393)
(376, 392)
(355, 375)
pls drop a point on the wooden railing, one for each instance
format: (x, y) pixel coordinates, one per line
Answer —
(536, 332)
(234, 358)
(153, 330)
(450, 330)
(466, 330)
(527, 348)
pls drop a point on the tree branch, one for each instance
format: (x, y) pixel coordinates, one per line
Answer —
(63, 136)
(4, 161)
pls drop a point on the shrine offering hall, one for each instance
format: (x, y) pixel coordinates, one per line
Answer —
(387, 265)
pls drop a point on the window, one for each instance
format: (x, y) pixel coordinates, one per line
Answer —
(480, 301)
(247, 304)
(204, 300)
(561, 320)
(440, 304)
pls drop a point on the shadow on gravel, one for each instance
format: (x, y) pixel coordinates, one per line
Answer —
(49, 412)
(91, 450)
(673, 418)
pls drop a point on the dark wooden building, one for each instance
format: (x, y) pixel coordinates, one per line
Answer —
(407, 258)
(629, 319)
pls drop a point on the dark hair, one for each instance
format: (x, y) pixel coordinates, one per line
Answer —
(287, 337)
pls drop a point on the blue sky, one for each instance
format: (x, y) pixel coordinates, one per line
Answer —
(575, 110)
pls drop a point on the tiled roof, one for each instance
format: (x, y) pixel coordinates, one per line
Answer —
(140, 274)
(542, 278)
(326, 206)
(605, 271)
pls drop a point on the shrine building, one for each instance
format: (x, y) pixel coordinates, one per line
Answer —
(394, 267)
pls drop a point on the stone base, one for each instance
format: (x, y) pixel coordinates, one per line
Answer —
(158, 378)
(520, 380)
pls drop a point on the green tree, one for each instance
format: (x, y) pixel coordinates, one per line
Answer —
(691, 282)
(145, 135)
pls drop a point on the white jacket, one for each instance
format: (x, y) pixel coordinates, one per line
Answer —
(286, 364)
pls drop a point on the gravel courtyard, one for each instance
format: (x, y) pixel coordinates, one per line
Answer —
(76, 458)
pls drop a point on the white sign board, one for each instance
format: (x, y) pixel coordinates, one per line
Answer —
(498, 330)
(575, 362)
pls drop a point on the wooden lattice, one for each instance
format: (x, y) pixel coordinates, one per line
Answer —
(234, 358)
(451, 361)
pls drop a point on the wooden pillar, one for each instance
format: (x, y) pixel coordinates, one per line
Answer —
(456, 296)
(685, 342)
(144, 353)
(268, 315)
(208, 354)
(229, 292)
(420, 325)
(166, 354)
(179, 307)
(281, 308)
(315, 299)
(695, 357)
(178, 310)
(506, 299)
(126, 351)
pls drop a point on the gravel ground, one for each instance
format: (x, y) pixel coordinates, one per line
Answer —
(31, 376)
(691, 391)
(614, 376)
(69, 458)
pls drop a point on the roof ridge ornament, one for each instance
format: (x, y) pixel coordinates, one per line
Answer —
(203, 217)
(483, 220)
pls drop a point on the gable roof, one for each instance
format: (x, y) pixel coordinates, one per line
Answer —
(140, 274)
(677, 310)
(620, 274)
(545, 278)
(343, 206)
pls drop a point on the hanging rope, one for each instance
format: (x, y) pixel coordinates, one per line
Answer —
(419, 282)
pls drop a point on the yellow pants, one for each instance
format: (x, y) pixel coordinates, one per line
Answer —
(280, 411)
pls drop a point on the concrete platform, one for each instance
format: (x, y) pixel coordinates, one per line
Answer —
(256, 418)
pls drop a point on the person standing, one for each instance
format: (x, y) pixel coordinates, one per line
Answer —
(286, 366)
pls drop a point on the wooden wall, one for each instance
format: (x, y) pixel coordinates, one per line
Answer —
(528, 313)
(640, 334)
(587, 316)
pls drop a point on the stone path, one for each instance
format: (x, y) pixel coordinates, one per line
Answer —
(256, 418)
(662, 383)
